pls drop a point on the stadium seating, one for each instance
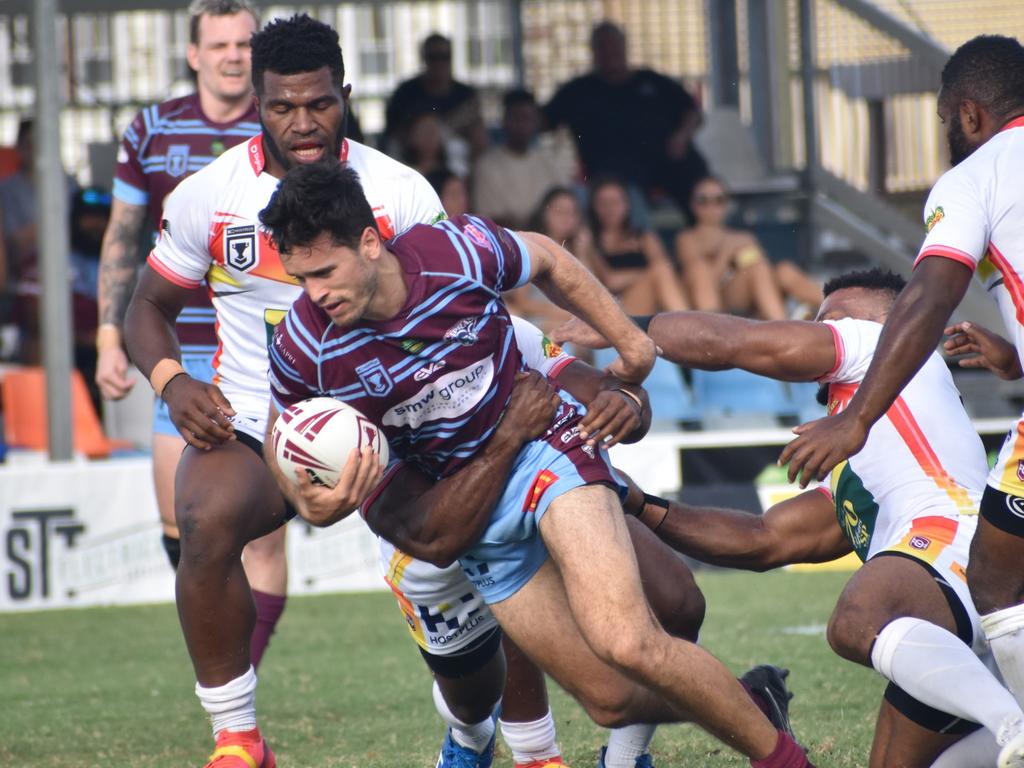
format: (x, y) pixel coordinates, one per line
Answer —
(671, 400)
(24, 414)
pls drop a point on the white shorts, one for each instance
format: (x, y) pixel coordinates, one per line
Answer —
(445, 614)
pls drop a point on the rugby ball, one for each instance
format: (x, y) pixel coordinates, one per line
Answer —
(317, 435)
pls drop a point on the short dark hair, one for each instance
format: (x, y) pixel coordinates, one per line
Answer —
(988, 69)
(316, 199)
(874, 279)
(431, 39)
(603, 28)
(293, 45)
(517, 96)
(199, 8)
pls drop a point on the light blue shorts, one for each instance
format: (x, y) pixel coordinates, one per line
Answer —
(511, 549)
(199, 365)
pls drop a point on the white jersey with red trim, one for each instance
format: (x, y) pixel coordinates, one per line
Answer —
(923, 459)
(211, 230)
(443, 610)
(975, 215)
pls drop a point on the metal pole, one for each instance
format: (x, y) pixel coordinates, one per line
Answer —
(724, 54)
(515, 9)
(807, 58)
(52, 227)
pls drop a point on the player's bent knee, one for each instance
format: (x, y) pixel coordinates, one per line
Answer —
(629, 648)
(848, 632)
(608, 705)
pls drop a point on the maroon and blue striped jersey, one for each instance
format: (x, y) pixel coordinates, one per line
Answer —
(437, 376)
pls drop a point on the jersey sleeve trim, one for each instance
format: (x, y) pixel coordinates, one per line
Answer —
(825, 492)
(126, 193)
(524, 276)
(374, 494)
(559, 366)
(947, 252)
(169, 274)
(837, 338)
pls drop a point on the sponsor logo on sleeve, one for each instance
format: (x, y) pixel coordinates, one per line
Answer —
(478, 237)
(934, 217)
(551, 349)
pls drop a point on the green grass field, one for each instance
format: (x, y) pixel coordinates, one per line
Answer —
(342, 685)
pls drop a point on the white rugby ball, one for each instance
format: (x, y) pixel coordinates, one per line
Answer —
(317, 435)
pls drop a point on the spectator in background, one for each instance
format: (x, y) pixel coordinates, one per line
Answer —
(725, 270)
(435, 90)
(622, 118)
(425, 146)
(90, 214)
(510, 179)
(451, 188)
(558, 217)
(683, 167)
(632, 263)
(18, 213)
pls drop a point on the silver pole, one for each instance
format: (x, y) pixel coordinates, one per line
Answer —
(52, 227)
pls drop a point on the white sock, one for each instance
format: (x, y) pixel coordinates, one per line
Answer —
(938, 669)
(975, 750)
(1005, 632)
(232, 706)
(626, 744)
(534, 740)
(474, 736)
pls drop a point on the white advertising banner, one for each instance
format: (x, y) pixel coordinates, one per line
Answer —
(87, 533)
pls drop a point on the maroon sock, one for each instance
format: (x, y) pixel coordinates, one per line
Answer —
(787, 754)
(268, 610)
(757, 698)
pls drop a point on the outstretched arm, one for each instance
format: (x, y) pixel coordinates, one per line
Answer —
(792, 350)
(799, 530)
(436, 521)
(911, 334)
(986, 349)
(571, 286)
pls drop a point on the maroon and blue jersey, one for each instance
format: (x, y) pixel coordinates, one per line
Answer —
(165, 143)
(438, 375)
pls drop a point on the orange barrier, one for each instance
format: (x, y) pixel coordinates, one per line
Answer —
(24, 412)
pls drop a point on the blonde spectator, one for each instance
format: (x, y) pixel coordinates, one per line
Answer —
(725, 270)
(632, 263)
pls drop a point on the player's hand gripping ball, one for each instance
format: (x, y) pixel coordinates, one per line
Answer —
(317, 435)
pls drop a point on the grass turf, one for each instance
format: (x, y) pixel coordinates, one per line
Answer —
(342, 685)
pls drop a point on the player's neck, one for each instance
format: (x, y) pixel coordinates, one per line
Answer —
(392, 291)
(219, 110)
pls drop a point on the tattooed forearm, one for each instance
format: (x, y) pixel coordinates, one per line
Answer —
(119, 261)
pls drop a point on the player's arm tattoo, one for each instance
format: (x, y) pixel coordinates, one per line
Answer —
(119, 261)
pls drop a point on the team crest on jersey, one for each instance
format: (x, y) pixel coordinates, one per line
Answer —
(375, 378)
(177, 160)
(478, 237)
(240, 247)
(463, 332)
(934, 218)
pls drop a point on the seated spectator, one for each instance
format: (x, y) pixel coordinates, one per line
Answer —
(621, 117)
(90, 213)
(725, 270)
(510, 179)
(436, 90)
(451, 188)
(558, 217)
(631, 263)
(425, 147)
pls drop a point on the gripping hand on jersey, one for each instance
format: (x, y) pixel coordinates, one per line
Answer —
(321, 506)
(199, 411)
(986, 350)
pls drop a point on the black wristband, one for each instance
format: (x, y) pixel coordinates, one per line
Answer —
(642, 321)
(654, 519)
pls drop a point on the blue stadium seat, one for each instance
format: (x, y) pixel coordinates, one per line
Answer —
(737, 392)
(671, 400)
